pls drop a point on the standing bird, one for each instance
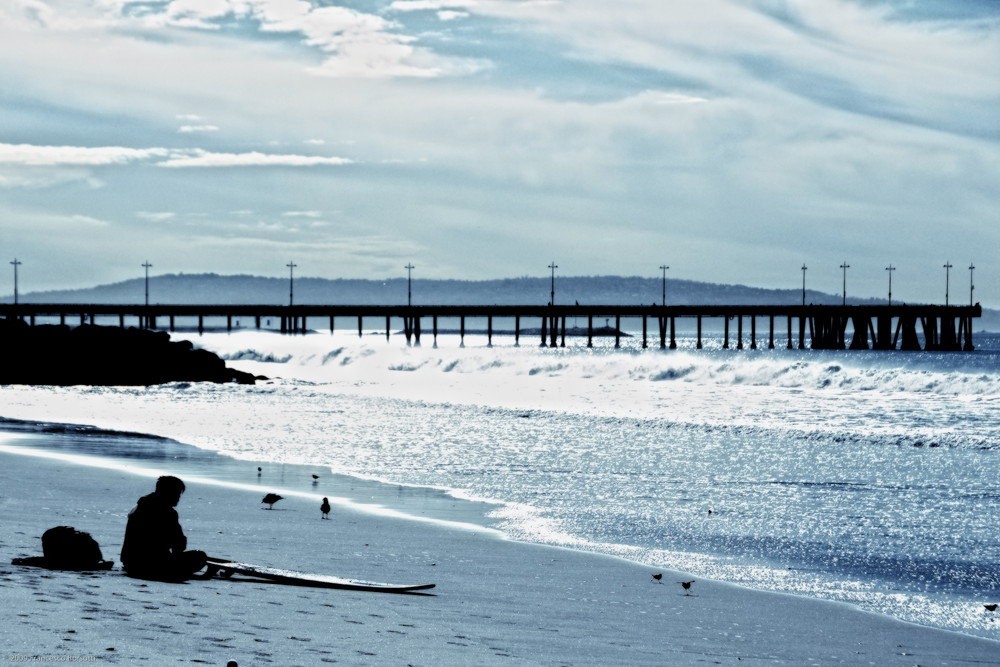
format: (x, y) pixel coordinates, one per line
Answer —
(657, 577)
(990, 607)
(686, 585)
(325, 508)
(270, 499)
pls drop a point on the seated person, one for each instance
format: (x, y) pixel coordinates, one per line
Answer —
(154, 546)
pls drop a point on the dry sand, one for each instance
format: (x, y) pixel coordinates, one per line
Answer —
(497, 602)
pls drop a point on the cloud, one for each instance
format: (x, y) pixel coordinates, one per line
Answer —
(302, 214)
(193, 129)
(160, 216)
(200, 158)
(48, 156)
(358, 44)
(32, 166)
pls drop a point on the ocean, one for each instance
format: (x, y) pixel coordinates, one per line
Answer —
(864, 477)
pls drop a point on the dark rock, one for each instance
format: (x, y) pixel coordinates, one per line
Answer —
(94, 355)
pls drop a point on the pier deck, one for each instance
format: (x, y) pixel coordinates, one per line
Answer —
(815, 327)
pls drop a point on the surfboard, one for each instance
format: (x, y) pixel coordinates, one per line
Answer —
(226, 569)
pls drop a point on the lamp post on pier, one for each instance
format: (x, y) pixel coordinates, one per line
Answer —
(972, 287)
(16, 264)
(552, 297)
(291, 282)
(804, 267)
(890, 269)
(664, 267)
(409, 283)
(146, 265)
(845, 266)
(947, 270)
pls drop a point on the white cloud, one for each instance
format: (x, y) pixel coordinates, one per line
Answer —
(676, 98)
(31, 155)
(25, 14)
(200, 158)
(302, 214)
(194, 129)
(156, 216)
(447, 15)
(431, 5)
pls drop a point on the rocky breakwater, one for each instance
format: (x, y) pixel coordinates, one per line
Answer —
(96, 355)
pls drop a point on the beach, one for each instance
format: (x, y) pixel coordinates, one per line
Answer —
(496, 601)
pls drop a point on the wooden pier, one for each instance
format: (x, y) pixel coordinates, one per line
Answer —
(896, 327)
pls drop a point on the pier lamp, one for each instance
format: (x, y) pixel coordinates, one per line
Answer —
(409, 283)
(804, 267)
(553, 266)
(972, 287)
(146, 265)
(947, 270)
(291, 282)
(890, 269)
(664, 267)
(845, 266)
(16, 264)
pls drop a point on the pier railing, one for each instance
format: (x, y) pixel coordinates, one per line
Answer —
(824, 327)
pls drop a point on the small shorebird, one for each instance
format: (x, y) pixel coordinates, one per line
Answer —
(315, 476)
(686, 585)
(990, 607)
(657, 577)
(270, 499)
(325, 508)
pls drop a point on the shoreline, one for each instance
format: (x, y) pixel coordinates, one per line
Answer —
(497, 601)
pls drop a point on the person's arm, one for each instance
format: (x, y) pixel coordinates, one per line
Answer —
(177, 541)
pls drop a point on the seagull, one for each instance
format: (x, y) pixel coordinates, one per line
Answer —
(990, 607)
(270, 499)
(657, 577)
(325, 508)
(686, 585)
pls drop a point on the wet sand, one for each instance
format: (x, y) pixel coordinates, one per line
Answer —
(496, 601)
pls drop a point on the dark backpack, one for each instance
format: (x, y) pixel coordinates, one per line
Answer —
(66, 548)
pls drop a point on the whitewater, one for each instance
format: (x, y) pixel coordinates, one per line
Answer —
(865, 477)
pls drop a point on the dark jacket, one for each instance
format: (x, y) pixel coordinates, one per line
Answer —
(153, 535)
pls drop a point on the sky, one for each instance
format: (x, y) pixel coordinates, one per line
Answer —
(733, 141)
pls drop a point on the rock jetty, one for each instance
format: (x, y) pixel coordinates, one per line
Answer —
(98, 355)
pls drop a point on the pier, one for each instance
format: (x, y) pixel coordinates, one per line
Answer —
(890, 327)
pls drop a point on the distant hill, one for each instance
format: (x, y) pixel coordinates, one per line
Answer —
(210, 288)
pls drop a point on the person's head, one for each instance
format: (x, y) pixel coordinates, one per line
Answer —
(170, 488)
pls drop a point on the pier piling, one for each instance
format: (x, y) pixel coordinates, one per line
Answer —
(941, 328)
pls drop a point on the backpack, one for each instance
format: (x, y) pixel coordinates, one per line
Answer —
(66, 548)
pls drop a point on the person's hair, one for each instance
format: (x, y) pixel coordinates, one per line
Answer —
(169, 484)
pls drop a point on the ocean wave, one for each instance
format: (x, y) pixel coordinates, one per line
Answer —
(254, 355)
(366, 359)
